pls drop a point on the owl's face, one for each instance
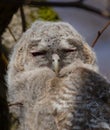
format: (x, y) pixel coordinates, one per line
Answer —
(55, 52)
(55, 45)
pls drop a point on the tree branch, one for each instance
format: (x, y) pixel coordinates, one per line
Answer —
(76, 4)
(23, 19)
(99, 34)
(11, 34)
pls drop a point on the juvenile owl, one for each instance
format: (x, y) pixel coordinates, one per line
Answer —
(54, 82)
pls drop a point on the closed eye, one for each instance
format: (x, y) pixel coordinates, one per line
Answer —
(38, 53)
(70, 49)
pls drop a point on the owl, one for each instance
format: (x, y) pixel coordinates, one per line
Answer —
(54, 82)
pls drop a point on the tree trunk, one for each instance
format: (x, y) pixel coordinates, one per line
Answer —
(7, 10)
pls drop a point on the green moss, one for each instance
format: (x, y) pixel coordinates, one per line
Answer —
(42, 13)
(47, 13)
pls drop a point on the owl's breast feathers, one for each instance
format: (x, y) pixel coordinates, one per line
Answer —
(81, 101)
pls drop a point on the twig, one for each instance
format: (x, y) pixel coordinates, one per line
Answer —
(14, 104)
(23, 19)
(12, 34)
(99, 34)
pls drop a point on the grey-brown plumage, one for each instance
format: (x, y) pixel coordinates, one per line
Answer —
(54, 75)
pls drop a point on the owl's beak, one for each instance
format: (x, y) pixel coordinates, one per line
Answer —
(55, 63)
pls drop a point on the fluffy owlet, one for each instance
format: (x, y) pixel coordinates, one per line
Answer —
(54, 82)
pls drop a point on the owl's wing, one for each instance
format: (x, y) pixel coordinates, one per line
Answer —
(92, 111)
(96, 85)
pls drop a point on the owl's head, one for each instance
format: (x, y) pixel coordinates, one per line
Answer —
(51, 44)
